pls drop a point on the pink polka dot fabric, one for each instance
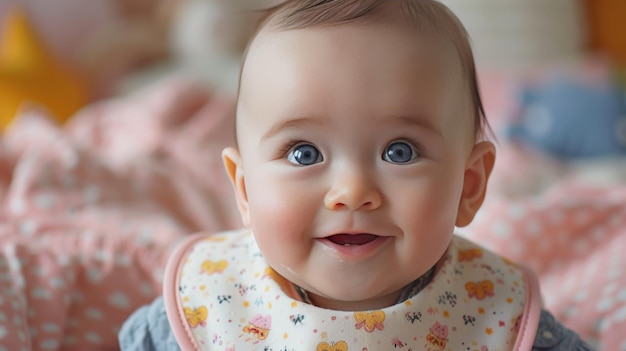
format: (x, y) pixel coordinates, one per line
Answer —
(90, 211)
(574, 236)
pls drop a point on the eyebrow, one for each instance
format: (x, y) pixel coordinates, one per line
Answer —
(293, 123)
(415, 121)
(307, 121)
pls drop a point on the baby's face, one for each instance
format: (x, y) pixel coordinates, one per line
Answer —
(353, 143)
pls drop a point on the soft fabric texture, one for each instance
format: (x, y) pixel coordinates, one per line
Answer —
(214, 282)
(573, 236)
(148, 330)
(90, 212)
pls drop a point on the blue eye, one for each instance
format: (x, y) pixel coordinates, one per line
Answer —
(399, 152)
(304, 155)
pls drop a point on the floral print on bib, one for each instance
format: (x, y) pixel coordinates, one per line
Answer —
(232, 300)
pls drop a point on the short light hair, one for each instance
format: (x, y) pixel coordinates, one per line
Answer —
(428, 16)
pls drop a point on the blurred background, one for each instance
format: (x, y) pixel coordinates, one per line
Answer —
(533, 32)
(516, 41)
(94, 49)
(64, 55)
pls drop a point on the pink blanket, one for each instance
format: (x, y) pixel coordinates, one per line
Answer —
(568, 223)
(91, 210)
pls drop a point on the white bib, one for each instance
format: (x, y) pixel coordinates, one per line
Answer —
(221, 295)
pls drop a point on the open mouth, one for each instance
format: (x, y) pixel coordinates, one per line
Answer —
(352, 239)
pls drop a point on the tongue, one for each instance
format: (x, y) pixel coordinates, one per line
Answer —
(352, 239)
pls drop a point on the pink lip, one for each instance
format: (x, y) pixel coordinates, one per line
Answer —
(354, 245)
(352, 239)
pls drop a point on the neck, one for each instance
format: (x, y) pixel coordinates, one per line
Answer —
(380, 302)
(367, 305)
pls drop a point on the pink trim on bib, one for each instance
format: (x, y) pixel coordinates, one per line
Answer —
(171, 298)
(532, 312)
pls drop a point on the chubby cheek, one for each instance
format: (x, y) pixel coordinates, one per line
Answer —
(428, 215)
(281, 219)
(429, 220)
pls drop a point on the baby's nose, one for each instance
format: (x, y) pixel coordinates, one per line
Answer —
(353, 191)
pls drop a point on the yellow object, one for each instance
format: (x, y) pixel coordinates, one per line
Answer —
(28, 73)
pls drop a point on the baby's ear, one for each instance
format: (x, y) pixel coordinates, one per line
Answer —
(477, 170)
(232, 162)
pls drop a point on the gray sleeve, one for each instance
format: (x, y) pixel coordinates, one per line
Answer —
(553, 336)
(148, 329)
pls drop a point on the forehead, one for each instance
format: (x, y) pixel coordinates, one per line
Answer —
(393, 65)
(385, 47)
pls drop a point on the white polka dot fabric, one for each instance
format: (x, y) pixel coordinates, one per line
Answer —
(574, 236)
(89, 212)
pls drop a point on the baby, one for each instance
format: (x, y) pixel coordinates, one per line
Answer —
(361, 145)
